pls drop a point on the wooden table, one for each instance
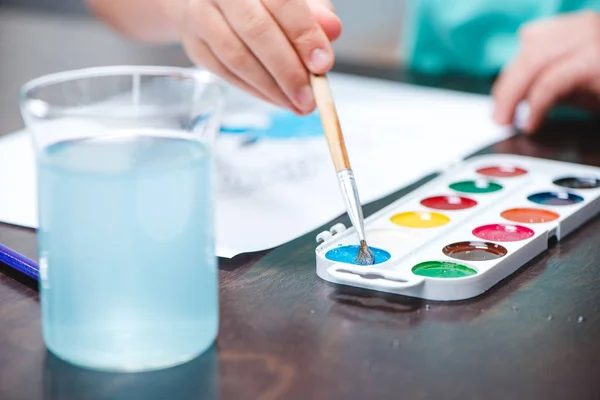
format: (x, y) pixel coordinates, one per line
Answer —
(285, 334)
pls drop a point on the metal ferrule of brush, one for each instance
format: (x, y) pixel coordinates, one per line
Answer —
(353, 206)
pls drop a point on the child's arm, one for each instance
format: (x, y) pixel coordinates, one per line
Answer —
(154, 21)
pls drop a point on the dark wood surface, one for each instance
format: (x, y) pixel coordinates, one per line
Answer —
(285, 334)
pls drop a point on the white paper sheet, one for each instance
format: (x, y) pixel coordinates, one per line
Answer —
(279, 184)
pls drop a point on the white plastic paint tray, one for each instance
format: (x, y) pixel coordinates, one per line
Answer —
(463, 232)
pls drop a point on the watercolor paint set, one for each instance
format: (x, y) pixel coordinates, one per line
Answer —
(466, 230)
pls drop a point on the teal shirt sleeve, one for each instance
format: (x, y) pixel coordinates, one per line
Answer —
(475, 37)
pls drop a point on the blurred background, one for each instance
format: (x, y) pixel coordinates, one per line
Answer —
(44, 36)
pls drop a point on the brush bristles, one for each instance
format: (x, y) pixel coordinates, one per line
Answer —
(365, 255)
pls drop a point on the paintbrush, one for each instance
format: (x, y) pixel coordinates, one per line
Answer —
(337, 148)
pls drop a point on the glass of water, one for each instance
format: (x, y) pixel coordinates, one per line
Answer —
(128, 273)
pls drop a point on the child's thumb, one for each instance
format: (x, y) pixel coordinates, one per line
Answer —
(324, 13)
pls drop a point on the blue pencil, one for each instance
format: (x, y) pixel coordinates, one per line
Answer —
(19, 262)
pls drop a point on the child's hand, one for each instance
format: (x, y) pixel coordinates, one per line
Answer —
(264, 46)
(559, 61)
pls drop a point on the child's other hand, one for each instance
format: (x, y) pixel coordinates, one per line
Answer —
(559, 61)
(264, 47)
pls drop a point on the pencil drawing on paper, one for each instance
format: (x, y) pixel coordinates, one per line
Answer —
(235, 179)
(287, 150)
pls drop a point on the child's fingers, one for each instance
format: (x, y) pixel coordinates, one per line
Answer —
(542, 43)
(217, 44)
(261, 33)
(557, 82)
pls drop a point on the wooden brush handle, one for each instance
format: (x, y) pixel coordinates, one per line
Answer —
(331, 124)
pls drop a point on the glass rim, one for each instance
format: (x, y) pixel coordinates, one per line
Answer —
(115, 70)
